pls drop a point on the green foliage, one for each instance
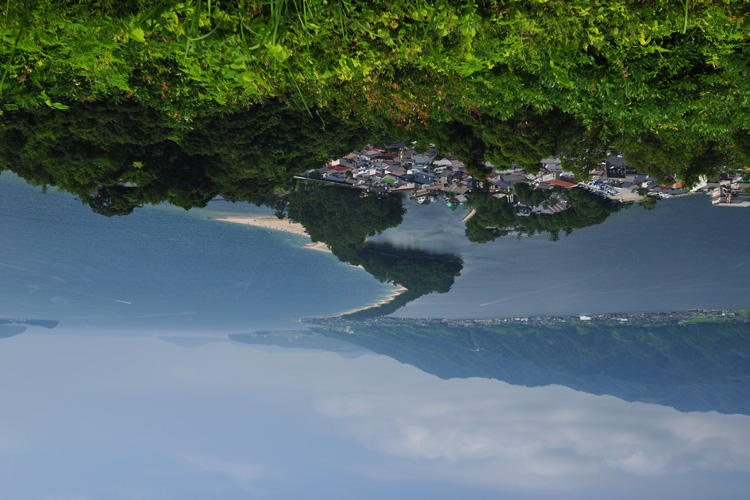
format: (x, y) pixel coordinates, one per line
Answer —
(339, 216)
(116, 157)
(614, 64)
(648, 203)
(615, 67)
(495, 218)
(670, 159)
(507, 82)
(343, 218)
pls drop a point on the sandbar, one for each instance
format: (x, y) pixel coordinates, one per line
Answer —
(388, 298)
(289, 226)
(275, 224)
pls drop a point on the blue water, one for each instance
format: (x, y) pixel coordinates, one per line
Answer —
(161, 268)
(684, 254)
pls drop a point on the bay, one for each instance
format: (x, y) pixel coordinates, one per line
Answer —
(161, 269)
(684, 254)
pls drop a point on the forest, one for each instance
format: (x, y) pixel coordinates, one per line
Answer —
(343, 218)
(116, 157)
(496, 218)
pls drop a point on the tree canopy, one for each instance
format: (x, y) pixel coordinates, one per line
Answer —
(343, 218)
(495, 217)
(617, 68)
(116, 157)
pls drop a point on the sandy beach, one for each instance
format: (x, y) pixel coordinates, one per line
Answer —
(275, 224)
(267, 222)
(392, 295)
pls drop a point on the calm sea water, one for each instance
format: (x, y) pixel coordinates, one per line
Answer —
(161, 268)
(684, 254)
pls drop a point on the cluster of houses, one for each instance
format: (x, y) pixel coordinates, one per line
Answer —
(426, 176)
(616, 172)
(730, 192)
(430, 176)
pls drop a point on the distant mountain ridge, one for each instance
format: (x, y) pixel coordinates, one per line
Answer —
(696, 366)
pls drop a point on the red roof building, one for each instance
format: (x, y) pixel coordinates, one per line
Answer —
(563, 184)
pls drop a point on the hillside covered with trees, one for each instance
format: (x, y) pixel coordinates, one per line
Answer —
(691, 366)
(115, 157)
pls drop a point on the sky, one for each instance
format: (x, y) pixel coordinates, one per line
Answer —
(117, 416)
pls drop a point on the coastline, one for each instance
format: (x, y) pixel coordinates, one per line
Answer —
(392, 295)
(288, 226)
(679, 317)
(275, 224)
(388, 298)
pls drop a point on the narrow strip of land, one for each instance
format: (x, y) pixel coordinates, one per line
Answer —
(388, 298)
(267, 222)
(275, 224)
(470, 215)
(288, 226)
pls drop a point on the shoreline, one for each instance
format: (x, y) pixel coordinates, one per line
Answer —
(275, 224)
(388, 298)
(681, 317)
(288, 226)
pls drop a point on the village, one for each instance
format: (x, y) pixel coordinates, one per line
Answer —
(430, 177)
(602, 319)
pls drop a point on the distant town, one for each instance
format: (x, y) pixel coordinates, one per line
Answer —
(644, 318)
(430, 177)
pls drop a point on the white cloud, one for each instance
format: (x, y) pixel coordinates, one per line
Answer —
(474, 432)
(491, 433)
(242, 472)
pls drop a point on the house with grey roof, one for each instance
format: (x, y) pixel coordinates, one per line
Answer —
(552, 164)
(731, 193)
(615, 167)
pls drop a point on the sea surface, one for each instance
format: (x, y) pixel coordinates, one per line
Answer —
(162, 268)
(140, 393)
(684, 254)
